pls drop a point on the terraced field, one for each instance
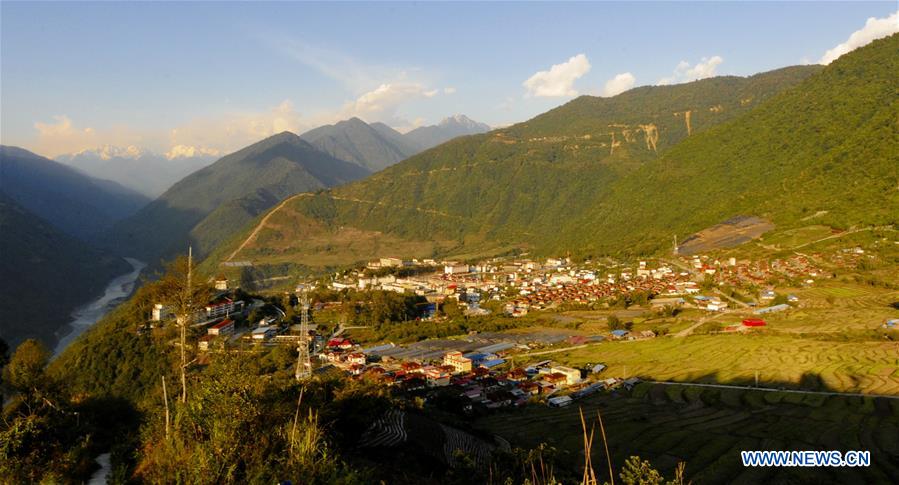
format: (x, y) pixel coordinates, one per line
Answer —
(425, 436)
(835, 308)
(865, 367)
(709, 427)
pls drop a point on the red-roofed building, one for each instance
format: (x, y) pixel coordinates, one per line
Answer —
(340, 343)
(410, 367)
(225, 327)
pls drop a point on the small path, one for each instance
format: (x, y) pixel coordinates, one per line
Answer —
(768, 389)
(738, 302)
(687, 331)
(846, 233)
(262, 223)
(284, 202)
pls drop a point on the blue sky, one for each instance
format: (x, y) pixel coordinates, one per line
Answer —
(216, 76)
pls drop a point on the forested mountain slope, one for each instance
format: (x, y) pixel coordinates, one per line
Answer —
(827, 150)
(211, 203)
(355, 141)
(46, 274)
(514, 187)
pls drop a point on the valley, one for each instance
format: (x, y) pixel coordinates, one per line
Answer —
(253, 244)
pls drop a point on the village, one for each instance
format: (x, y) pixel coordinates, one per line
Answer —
(480, 367)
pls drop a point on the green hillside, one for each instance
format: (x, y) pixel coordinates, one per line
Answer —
(208, 205)
(828, 150)
(46, 274)
(515, 187)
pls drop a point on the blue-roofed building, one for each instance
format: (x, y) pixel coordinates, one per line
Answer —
(619, 333)
(378, 349)
(489, 364)
(892, 323)
(477, 357)
(772, 309)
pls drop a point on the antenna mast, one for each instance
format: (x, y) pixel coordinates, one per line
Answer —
(304, 364)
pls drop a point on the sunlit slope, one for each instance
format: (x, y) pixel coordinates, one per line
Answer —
(517, 187)
(827, 149)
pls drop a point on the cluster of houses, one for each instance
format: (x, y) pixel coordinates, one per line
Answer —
(536, 284)
(583, 286)
(757, 273)
(480, 378)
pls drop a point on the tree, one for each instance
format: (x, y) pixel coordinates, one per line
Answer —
(614, 323)
(637, 471)
(185, 299)
(25, 371)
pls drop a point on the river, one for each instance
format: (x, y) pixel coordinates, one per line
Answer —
(87, 315)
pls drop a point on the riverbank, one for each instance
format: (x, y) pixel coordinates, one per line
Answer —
(87, 315)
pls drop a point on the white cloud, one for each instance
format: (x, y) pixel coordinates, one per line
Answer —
(62, 126)
(63, 136)
(874, 29)
(449, 90)
(383, 102)
(225, 132)
(619, 84)
(559, 80)
(230, 131)
(349, 71)
(706, 67)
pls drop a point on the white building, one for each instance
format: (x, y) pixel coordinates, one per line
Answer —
(161, 312)
(572, 376)
(457, 361)
(455, 268)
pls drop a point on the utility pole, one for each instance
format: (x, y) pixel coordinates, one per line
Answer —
(304, 364)
(185, 317)
(675, 244)
(165, 397)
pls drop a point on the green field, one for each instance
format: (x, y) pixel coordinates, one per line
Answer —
(708, 428)
(781, 361)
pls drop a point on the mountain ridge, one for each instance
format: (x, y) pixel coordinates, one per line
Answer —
(144, 171)
(259, 174)
(511, 187)
(77, 204)
(376, 146)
